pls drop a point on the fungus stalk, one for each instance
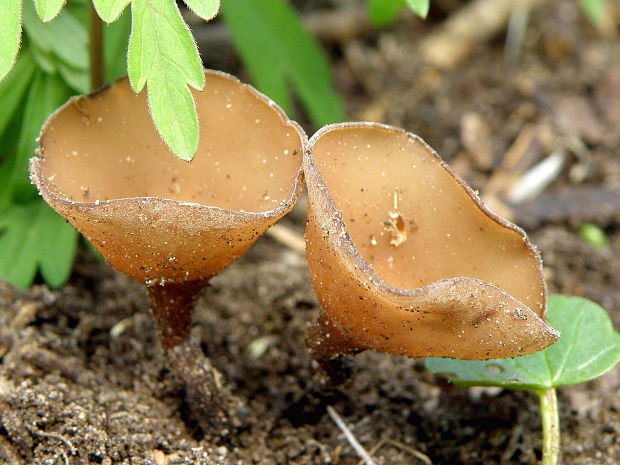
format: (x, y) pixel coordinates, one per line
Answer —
(172, 305)
(328, 346)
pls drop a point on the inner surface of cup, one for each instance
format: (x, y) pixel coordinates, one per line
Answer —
(413, 222)
(105, 147)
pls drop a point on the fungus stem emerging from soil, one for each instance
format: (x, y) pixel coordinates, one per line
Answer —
(172, 306)
(551, 426)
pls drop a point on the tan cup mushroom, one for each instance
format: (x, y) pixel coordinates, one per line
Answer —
(167, 223)
(405, 258)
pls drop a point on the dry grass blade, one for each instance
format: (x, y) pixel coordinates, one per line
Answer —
(399, 445)
(288, 237)
(363, 453)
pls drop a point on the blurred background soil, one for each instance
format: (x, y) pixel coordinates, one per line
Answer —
(82, 380)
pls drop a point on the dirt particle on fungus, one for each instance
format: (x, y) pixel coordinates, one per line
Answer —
(395, 225)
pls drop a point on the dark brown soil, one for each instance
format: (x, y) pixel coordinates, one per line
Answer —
(82, 379)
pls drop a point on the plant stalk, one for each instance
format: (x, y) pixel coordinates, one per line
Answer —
(97, 65)
(172, 305)
(551, 426)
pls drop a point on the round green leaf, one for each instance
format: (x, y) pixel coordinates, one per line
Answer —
(589, 347)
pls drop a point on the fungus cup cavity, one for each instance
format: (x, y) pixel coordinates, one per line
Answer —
(406, 259)
(167, 223)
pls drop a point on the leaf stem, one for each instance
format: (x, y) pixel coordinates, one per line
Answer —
(97, 66)
(551, 426)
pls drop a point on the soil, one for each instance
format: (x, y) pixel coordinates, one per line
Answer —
(82, 378)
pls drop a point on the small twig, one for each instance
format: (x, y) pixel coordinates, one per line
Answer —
(25, 315)
(517, 25)
(366, 458)
(575, 206)
(59, 437)
(537, 178)
(513, 443)
(512, 164)
(399, 445)
(458, 36)
(288, 237)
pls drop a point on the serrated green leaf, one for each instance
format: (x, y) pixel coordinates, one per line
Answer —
(173, 110)
(279, 52)
(593, 235)
(163, 53)
(384, 12)
(53, 37)
(48, 9)
(589, 347)
(31, 235)
(11, 27)
(110, 10)
(14, 86)
(161, 45)
(419, 7)
(206, 9)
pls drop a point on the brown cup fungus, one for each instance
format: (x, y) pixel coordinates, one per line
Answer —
(167, 223)
(405, 258)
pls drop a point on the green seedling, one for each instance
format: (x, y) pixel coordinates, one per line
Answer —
(589, 347)
(594, 10)
(384, 12)
(594, 235)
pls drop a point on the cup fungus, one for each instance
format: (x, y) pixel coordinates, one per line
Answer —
(170, 224)
(405, 258)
